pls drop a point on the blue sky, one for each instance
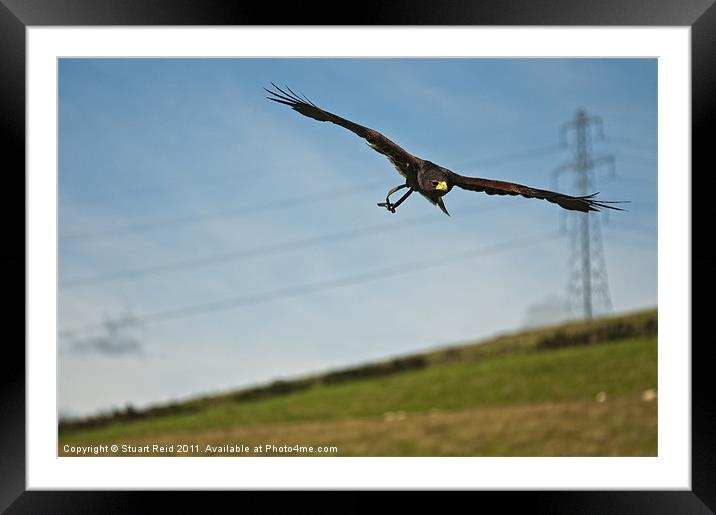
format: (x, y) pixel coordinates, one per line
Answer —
(199, 210)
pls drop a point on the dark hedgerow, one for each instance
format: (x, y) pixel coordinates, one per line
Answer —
(617, 330)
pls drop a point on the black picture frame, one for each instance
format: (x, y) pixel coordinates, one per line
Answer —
(17, 15)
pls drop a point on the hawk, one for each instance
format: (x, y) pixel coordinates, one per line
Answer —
(432, 181)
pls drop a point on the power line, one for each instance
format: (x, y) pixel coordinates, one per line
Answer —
(632, 143)
(280, 204)
(637, 228)
(191, 219)
(262, 250)
(329, 284)
(644, 159)
(630, 241)
(231, 175)
(650, 181)
(165, 186)
(516, 156)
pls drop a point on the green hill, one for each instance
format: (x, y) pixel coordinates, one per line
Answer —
(578, 389)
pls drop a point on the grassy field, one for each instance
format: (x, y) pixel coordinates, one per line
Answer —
(514, 396)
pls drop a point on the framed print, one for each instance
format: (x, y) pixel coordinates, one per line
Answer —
(214, 301)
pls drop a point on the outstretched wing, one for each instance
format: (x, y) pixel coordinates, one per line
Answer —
(492, 187)
(403, 161)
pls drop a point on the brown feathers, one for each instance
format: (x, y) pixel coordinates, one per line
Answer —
(401, 159)
(493, 187)
(418, 172)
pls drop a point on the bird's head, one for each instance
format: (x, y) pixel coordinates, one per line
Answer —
(436, 182)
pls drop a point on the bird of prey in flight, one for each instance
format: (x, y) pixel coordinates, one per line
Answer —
(430, 180)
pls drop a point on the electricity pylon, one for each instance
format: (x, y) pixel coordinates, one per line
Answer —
(587, 284)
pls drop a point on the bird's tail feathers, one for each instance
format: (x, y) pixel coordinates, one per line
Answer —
(602, 203)
(441, 204)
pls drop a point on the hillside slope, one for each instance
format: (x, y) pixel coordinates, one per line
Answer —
(552, 392)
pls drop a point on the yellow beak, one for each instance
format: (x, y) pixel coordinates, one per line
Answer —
(442, 186)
